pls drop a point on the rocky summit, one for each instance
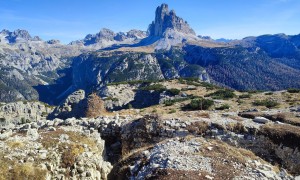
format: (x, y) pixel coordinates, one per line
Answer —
(165, 19)
(164, 103)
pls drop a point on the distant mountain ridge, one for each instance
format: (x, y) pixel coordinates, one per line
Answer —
(32, 69)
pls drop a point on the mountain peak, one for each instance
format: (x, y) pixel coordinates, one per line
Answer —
(165, 19)
(17, 35)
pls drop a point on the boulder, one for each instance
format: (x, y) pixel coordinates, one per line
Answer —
(72, 106)
(261, 120)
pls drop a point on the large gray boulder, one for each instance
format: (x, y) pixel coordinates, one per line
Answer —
(72, 106)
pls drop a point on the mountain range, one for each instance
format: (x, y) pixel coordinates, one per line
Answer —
(33, 69)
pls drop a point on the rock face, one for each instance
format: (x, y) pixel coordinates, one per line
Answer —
(27, 62)
(16, 36)
(78, 105)
(73, 106)
(165, 19)
(23, 111)
(246, 67)
(107, 37)
(93, 71)
(170, 30)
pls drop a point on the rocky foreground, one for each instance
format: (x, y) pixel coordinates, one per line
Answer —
(194, 131)
(145, 148)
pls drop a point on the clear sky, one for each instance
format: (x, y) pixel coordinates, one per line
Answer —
(69, 20)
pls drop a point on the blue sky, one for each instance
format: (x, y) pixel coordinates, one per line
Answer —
(69, 20)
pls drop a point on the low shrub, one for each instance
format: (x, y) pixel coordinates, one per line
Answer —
(222, 94)
(172, 111)
(224, 106)
(23, 120)
(2, 120)
(44, 114)
(200, 104)
(266, 102)
(245, 96)
(208, 86)
(171, 102)
(173, 91)
(154, 87)
(254, 91)
(111, 98)
(129, 106)
(239, 101)
(293, 90)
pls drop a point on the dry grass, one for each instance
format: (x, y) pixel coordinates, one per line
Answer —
(95, 106)
(15, 144)
(225, 151)
(198, 127)
(202, 114)
(286, 117)
(28, 171)
(69, 153)
(232, 155)
(285, 134)
(50, 139)
(236, 127)
(12, 170)
(82, 139)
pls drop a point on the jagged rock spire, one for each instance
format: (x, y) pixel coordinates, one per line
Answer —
(165, 19)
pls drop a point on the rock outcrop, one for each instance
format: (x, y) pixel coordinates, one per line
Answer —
(18, 35)
(165, 19)
(170, 29)
(151, 147)
(78, 105)
(23, 111)
(72, 106)
(52, 150)
(106, 38)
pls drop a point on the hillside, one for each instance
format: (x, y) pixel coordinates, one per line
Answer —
(194, 131)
